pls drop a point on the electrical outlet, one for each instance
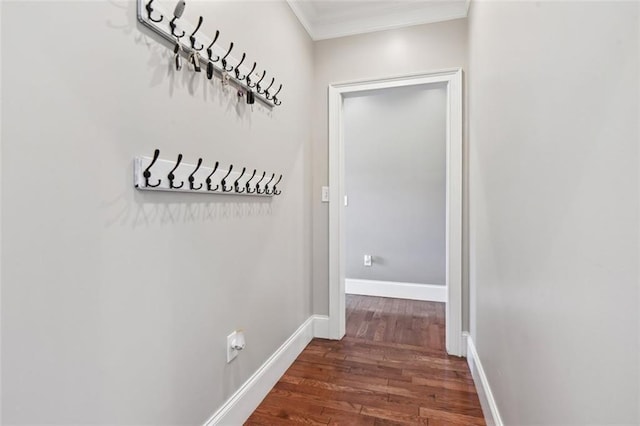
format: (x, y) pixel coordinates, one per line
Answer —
(235, 343)
(325, 194)
(367, 260)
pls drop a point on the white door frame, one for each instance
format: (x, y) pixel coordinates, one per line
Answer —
(453, 80)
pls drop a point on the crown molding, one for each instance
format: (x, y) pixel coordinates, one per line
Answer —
(326, 27)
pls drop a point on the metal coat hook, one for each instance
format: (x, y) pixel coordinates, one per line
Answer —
(266, 186)
(237, 70)
(192, 37)
(246, 184)
(208, 180)
(147, 171)
(236, 186)
(271, 97)
(254, 85)
(275, 191)
(224, 59)
(177, 13)
(257, 184)
(224, 181)
(266, 91)
(210, 56)
(260, 81)
(171, 176)
(210, 48)
(248, 76)
(150, 10)
(192, 179)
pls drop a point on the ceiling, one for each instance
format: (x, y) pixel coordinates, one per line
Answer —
(325, 19)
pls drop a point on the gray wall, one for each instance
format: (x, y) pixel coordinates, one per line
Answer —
(116, 303)
(554, 113)
(395, 161)
(387, 53)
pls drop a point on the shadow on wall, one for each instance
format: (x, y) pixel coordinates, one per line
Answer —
(154, 208)
(160, 61)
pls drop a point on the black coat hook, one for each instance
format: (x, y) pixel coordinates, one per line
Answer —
(210, 48)
(257, 184)
(192, 37)
(147, 171)
(248, 76)
(150, 10)
(272, 97)
(224, 181)
(266, 91)
(266, 186)
(236, 186)
(247, 186)
(224, 59)
(275, 191)
(192, 179)
(171, 176)
(237, 70)
(254, 85)
(208, 180)
(258, 88)
(177, 13)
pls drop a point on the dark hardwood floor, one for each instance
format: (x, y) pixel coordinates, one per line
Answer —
(390, 368)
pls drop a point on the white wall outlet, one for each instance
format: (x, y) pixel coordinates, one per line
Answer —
(325, 194)
(235, 343)
(367, 260)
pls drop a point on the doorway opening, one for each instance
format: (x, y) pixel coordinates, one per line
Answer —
(451, 83)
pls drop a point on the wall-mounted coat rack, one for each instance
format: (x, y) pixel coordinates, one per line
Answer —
(217, 60)
(155, 174)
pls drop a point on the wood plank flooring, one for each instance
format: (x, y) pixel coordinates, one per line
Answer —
(390, 369)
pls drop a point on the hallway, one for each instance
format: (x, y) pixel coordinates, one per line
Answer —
(390, 368)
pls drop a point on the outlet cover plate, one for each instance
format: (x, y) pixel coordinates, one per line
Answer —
(231, 353)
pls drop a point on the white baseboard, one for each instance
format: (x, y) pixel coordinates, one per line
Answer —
(237, 409)
(489, 406)
(321, 326)
(428, 292)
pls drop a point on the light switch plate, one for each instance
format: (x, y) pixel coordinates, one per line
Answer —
(325, 194)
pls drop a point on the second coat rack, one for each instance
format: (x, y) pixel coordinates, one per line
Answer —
(155, 174)
(218, 60)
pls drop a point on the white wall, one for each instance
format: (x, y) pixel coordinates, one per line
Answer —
(395, 163)
(383, 54)
(116, 303)
(554, 104)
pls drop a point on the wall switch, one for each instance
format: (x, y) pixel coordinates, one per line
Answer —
(367, 260)
(325, 194)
